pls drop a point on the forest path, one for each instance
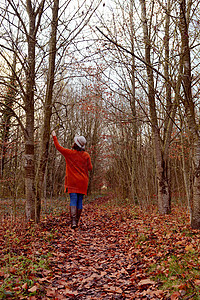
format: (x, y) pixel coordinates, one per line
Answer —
(98, 260)
(114, 254)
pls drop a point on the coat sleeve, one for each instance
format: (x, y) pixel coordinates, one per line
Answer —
(61, 149)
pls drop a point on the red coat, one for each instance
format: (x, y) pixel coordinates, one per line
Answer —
(78, 163)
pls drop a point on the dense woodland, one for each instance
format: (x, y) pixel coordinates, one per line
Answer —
(125, 74)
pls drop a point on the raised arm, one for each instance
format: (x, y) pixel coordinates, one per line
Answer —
(61, 149)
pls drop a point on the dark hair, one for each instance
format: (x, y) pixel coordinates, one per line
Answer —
(77, 148)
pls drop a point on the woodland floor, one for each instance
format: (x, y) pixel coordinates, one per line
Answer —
(118, 252)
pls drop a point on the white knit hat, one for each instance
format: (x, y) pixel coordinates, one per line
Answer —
(80, 141)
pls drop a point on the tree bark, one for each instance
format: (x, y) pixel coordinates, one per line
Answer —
(7, 114)
(190, 114)
(29, 107)
(161, 165)
(133, 110)
(44, 150)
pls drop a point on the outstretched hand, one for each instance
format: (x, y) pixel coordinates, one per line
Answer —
(53, 133)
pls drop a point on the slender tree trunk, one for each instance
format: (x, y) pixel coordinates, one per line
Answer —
(7, 114)
(29, 106)
(133, 109)
(161, 166)
(94, 142)
(185, 175)
(44, 151)
(170, 107)
(190, 114)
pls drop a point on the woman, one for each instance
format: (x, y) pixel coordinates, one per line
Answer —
(78, 163)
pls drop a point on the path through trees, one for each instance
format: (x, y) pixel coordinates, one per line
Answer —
(118, 252)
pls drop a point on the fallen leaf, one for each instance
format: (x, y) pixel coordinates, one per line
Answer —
(113, 289)
(33, 289)
(189, 248)
(123, 271)
(158, 293)
(118, 290)
(103, 273)
(197, 282)
(69, 292)
(43, 279)
(168, 235)
(146, 282)
(25, 286)
(13, 270)
(175, 296)
(180, 242)
(46, 272)
(2, 274)
(60, 297)
(51, 293)
(182, 286)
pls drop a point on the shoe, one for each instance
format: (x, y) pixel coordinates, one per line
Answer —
(73, 213)
(79, 211)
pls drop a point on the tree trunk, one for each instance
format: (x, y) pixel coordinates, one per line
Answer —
(133, 110)
(44, 150)
(29, 106)
(190, 114)
(160, 160)
(195, 218)
(7, 114)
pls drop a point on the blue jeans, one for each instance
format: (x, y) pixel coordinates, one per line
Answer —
(76, 200)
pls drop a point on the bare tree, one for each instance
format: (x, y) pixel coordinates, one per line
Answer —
(34, 14)
(46, 127)
(7, 113)
(189, 105)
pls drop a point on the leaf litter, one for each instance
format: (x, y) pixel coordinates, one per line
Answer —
(118, 252)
